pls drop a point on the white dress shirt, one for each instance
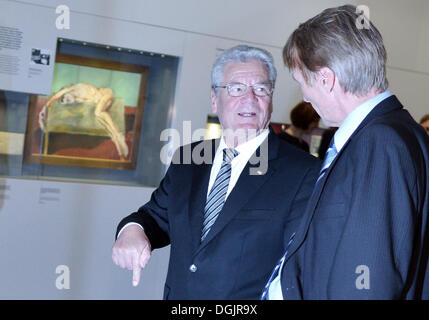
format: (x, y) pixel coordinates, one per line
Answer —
(245, 151)
(344, 132)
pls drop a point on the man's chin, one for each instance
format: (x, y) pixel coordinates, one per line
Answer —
(328, 123)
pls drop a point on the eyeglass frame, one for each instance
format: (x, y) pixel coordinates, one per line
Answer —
(228, 85)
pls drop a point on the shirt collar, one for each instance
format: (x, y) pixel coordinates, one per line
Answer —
(355, 118)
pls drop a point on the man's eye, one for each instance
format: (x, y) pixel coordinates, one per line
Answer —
(262, 89)
(236, 89)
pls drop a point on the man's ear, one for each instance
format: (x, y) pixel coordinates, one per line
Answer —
(327, 79)
(214, 101)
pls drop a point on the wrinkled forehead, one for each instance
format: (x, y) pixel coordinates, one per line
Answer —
(252, 70)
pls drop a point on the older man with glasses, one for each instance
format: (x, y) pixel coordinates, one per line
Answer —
(225, 222)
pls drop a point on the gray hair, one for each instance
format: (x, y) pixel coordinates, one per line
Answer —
(334, 39)
(242, 53)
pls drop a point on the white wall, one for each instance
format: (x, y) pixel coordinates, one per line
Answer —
(45, 224)
(405, 29)
(76, 227)
(193, 30)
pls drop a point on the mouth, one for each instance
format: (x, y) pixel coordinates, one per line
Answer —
(247, 114)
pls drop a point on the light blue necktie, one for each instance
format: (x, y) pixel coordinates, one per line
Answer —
(331, 153)
(276, 270)
(217, 195)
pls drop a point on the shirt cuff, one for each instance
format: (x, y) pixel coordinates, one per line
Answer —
(128, 224)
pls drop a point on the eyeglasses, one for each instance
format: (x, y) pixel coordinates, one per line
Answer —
(237, 89)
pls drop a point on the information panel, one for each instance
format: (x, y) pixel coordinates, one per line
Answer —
(27, 48)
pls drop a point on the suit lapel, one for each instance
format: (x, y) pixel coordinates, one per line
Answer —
(384, 107)
(198, 196)
(305, 222)
(244, 189)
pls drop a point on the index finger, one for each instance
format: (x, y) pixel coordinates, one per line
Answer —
(136, 272)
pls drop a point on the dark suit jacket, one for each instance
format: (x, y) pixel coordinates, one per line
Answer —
(294, 141)
(365, 233)
(237, 256)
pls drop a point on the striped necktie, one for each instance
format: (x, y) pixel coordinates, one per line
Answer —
(331, 153)
(216, 197)
(276, 271)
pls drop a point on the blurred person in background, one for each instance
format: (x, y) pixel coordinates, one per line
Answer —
(424, 121)
(304, 120)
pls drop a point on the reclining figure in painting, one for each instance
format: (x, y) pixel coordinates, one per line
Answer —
(87, 93)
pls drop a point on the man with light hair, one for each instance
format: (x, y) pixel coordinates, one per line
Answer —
(365, 233)
(225, 221)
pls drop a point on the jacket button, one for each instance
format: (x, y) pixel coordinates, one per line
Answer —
(193, 268)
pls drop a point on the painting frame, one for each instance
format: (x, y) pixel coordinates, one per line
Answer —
(34, 134)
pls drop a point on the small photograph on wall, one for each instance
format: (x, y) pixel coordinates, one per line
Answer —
(92, 118)
(40, 56)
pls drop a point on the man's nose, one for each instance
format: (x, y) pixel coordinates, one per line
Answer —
(250, 95)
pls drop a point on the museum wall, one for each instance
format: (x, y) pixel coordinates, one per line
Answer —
(48, 226)
(405, 29)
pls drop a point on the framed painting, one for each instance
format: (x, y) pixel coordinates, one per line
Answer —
(93, 117)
